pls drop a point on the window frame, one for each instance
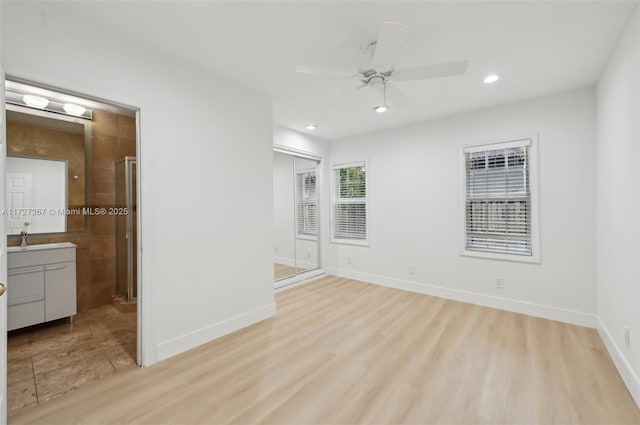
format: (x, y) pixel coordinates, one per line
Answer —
(365, 201)
(535, 256)
(298, 202)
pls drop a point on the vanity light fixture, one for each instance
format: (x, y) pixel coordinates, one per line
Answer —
(73, 109)
(310, 126)
(48, 104)
(35, 101)
(491, 78)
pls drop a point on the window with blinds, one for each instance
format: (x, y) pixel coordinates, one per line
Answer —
(349, 209)
(306, 203)
(498, 198)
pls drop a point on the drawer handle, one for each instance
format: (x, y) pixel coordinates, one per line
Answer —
(16, 272)
(25, 300)
(54, 267)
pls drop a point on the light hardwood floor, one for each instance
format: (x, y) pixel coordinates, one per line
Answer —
(281, 270)
(342, 352)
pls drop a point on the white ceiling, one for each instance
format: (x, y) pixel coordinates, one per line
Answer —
(539, 48)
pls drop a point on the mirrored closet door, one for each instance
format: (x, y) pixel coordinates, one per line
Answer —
(295, 215)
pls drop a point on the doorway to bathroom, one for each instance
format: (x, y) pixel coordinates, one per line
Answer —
(72, 241)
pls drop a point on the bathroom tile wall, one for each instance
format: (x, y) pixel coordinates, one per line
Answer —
(113, 137)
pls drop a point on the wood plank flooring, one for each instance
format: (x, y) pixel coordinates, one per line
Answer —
(344, 352)
(282, 270)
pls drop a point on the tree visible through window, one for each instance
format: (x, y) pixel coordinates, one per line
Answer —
(498, 198)
(350, 202)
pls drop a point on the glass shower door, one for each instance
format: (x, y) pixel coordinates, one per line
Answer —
(126, 232)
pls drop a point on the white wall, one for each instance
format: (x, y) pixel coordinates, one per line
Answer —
(618, 204)
(206, 204)
(415, 206)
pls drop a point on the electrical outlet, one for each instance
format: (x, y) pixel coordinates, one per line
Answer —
(308, 254)
(627, 336)
(499, 283)
(348, 260)
(412, 269)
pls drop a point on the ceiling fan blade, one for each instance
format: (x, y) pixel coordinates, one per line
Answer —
(391, 38)
(314, 70)
(449, 69)
(342, 93)
(396, 96)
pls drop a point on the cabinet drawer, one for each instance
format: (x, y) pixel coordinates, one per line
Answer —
(25, 284)
(27, 314)
(47, 256)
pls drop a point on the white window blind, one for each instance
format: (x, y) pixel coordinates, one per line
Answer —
(349, 209)
(306, 203)
(498, 198)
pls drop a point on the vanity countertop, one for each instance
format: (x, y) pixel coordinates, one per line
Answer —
(40, 247)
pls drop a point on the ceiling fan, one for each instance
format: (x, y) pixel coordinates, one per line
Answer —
(378, 70)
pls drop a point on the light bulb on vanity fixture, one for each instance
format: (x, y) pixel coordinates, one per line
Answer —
(381, 109)
(73, 109)
(35, 101)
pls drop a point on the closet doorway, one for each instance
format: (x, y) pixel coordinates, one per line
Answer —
(295, 216)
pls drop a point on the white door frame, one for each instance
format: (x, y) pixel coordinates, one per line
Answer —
(3, 253)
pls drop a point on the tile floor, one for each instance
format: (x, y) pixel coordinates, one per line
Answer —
(48, 360)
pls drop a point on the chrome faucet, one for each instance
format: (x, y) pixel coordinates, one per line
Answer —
(25, 238)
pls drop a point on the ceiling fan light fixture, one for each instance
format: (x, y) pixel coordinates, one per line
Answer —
(381, 109)
(491, 78)
(35, 101)
(310, 126)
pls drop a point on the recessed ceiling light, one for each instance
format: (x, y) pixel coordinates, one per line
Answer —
(310, 126)
(491, 78)
(73, 109)
(35, 101)
(381, 109)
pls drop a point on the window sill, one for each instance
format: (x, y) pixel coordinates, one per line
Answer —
(356, 242)
(307, 237)
(532, 259)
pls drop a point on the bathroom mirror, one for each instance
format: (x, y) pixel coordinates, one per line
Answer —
(295, 215)
(46, 165)
(36, 195)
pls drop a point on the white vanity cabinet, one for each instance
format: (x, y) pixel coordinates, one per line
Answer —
(41, 283)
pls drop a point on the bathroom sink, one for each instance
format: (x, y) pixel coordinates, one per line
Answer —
(39, 247)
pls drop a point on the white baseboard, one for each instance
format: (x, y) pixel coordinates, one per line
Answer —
(201, 336)
(301, 279)
(508, 304)
(624, 368)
